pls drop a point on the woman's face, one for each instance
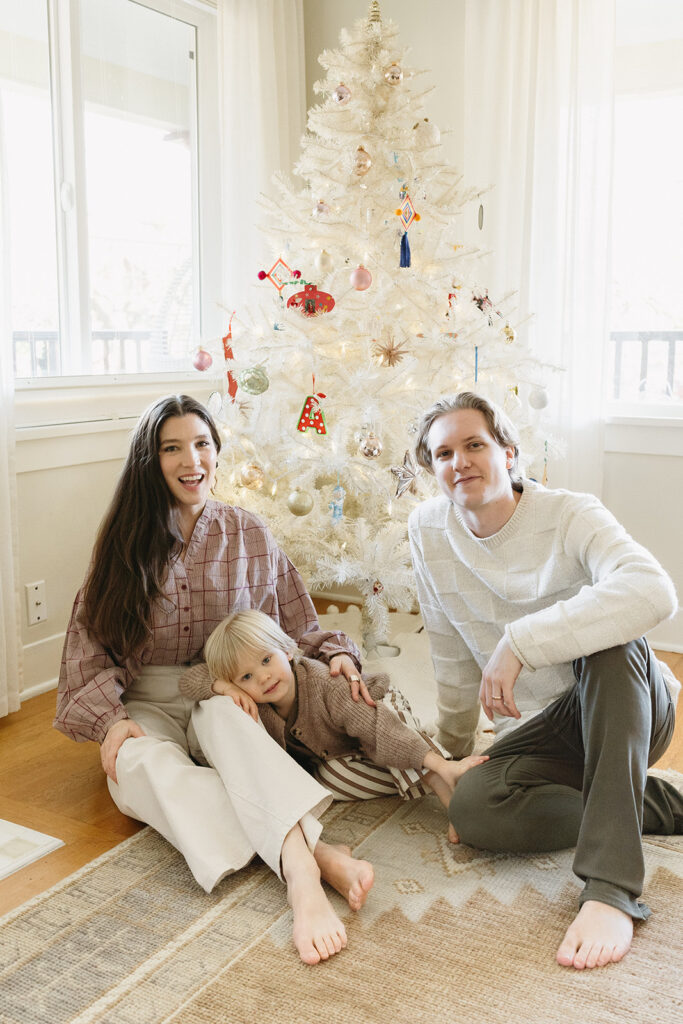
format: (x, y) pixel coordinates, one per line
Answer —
(187, 457)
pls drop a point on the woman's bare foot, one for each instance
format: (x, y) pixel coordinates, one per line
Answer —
(350, 877)
(317, 933)
(598, 935)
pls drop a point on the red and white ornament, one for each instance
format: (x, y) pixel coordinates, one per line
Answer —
(312, 415)
(311, 301)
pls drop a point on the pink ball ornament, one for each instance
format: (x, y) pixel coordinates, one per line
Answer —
(262, 275)
(360, 278)
(202, 359)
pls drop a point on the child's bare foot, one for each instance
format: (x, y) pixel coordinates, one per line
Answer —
(440, 787)
(453, 836)
(317, 933)
(598, 935)
(350, 877)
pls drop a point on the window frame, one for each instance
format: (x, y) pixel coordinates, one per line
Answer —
(38, 399)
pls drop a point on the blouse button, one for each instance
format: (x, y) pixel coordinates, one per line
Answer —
(186, 609)
(183, 586)
(186, 629)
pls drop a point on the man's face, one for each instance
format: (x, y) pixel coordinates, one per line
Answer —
(469, 464)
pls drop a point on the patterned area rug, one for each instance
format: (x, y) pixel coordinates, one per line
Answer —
(448, 935)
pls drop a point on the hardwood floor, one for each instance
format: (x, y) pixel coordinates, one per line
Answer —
(54, 785)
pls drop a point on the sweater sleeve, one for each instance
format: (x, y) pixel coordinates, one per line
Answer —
(457, 674)
(90, 683)
(383, 737)
(196, 682)
(626, 592)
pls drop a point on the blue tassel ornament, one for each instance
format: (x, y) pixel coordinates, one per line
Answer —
(405, 250)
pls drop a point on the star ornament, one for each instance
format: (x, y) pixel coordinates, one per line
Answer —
(406, 475)
(389, 353)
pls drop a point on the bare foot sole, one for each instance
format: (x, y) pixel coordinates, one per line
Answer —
(317, 933)
(351, 878)
(598, 935)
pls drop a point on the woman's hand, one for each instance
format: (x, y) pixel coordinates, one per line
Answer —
(117, 734)
(497, 682)
(343, 665)
(241, 699)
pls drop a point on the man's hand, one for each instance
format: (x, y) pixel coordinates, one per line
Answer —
(112, 742)
(343, 665)
(498, 680)
(241, 699)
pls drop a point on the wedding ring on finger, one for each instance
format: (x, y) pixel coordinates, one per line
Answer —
(354, 679)
(497, 696)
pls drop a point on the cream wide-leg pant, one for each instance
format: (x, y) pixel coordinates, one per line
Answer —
(218, 817)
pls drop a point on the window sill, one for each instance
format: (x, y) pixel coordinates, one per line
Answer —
(644, 435)
(72, 402)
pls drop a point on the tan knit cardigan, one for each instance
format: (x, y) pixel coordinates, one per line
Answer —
(329, 722)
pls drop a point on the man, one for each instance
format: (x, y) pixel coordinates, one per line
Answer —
(536, 602)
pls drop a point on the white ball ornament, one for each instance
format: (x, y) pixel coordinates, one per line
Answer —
(428, 133)
(324, 262)
(538, 398)
(299, 502)
(362, 162)
(394, 74)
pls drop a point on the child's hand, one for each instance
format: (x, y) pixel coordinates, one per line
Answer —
(241, 699)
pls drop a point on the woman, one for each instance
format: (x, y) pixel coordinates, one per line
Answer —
(168, 565)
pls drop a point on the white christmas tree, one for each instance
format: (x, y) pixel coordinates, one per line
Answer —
(372, 308)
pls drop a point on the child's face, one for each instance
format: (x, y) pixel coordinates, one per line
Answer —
(267, 676)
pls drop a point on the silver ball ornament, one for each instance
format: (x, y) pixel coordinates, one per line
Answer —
(538, 398)
(253, 380)
(341, 95)
(370, 446)
(299, 502)
(394, 74)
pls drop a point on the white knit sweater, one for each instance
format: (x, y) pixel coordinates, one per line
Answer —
(561, 579)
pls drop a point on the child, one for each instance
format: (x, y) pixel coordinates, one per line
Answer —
(311, 714)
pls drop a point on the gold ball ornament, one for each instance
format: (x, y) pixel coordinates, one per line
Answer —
(253, 380)
(509, 334)
(299, 502)
(394, 74)
(370, 446)
(362, 161)
(252, 476)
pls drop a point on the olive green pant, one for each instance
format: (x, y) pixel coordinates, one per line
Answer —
(576, 775)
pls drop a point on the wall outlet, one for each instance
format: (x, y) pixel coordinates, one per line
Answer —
(36, 602)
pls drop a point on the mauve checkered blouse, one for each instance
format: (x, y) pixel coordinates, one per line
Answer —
(232, 563)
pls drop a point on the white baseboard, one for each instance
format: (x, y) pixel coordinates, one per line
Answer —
(37, 689)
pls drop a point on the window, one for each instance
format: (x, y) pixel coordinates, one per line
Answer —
(646, 371)
(99, 105)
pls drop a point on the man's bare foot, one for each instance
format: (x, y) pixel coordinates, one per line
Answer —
(317, 933)
(350, 877)
(598, 935)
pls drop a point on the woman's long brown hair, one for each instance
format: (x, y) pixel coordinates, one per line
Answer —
(138, 537)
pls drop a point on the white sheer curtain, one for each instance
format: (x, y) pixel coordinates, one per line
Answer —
(10, 638)
(262, 76)
(538, 127)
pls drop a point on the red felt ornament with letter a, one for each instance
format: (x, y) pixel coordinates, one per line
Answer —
(312, 415)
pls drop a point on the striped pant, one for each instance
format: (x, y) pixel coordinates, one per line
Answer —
(353, 777)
